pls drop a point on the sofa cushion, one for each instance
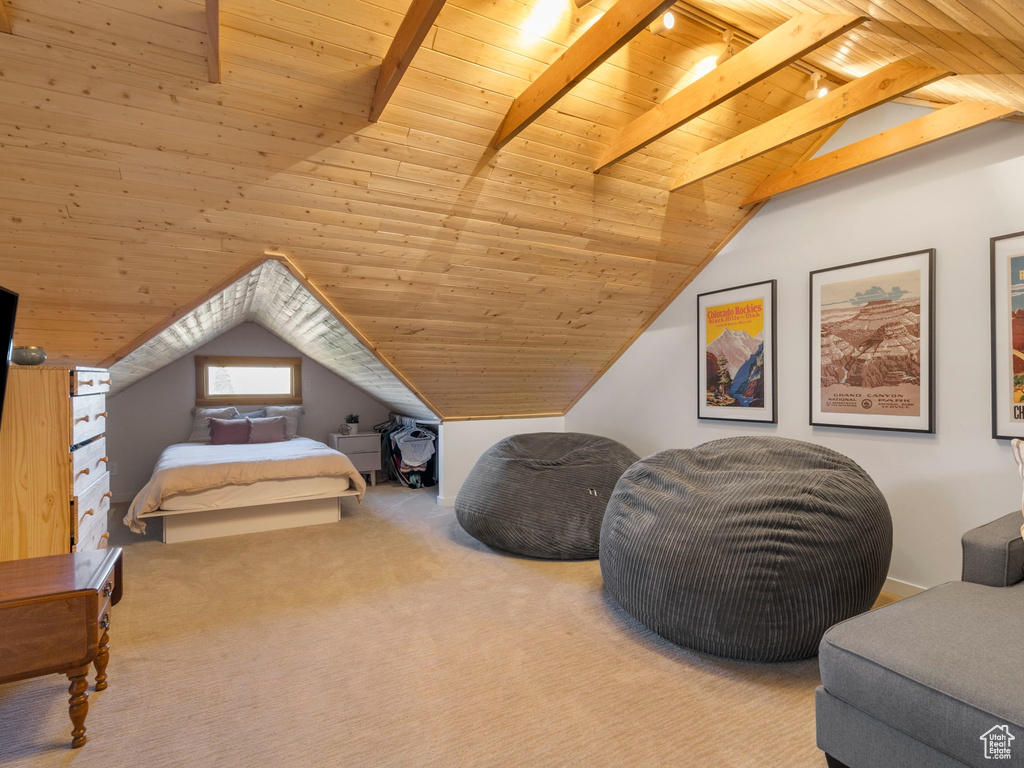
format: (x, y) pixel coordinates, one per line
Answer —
(938, 666)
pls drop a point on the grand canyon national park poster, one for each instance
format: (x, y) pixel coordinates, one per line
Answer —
(871, 365)
(736, 328)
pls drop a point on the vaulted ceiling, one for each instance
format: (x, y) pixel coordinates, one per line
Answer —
(495, 282)
(273, 296)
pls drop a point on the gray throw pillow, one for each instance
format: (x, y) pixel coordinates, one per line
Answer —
(201, 422)
(268, 430)
(291, 413)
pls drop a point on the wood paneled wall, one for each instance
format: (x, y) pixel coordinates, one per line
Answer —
(496, 282)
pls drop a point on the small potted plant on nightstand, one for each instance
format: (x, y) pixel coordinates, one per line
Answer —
(352, 422)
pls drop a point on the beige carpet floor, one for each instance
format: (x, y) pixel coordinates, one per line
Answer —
(394, 639)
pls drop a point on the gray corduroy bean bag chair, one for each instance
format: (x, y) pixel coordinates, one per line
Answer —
(543, 494)
(748, 547)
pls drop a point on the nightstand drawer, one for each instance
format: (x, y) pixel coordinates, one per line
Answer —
(365, 462)
(351, 444)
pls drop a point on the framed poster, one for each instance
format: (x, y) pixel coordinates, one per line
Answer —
(872, 344)
(1008, 336)
(736, 363)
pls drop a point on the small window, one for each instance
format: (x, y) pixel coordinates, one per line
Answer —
(248, 380)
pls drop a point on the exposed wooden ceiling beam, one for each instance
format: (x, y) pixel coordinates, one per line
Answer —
(213, 33)
(876, 88)
(779, 48)
(614, 29)
(5, 20)
(924, 130)
(411, 33)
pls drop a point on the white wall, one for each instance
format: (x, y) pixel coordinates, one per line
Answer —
(952, 196)
(157, 411)
(463, 442)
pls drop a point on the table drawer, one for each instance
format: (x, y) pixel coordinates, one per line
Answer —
(89, 381)
(88, 463)
(350, 444)
(88, 417)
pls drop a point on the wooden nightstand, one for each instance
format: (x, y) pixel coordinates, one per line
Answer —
(362, 449)
(54, 616)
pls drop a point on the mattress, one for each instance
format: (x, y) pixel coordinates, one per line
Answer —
(264, 492)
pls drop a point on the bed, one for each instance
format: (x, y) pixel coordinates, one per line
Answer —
(202, 490)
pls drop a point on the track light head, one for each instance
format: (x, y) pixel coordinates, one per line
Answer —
(663, 23)
(818, 88)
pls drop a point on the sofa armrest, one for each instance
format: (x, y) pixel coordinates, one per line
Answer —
(994, 552)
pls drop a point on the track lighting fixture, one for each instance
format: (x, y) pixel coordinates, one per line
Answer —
(663, 23)
(817, 89)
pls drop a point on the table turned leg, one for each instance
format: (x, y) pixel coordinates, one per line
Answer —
(78, 706)
(102, 657)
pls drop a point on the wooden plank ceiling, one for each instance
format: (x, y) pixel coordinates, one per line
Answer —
(496, 282)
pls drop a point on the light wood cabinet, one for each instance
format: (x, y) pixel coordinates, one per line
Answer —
(54, 483)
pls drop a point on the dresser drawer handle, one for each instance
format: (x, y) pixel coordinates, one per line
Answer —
(105, 382)
(104, 459)
(101, 415)
(88, 383)
(83, 472)
(107, 495)
(83, 418)
(105, 621)
(105, 536)
(108, 589)
(89, 512)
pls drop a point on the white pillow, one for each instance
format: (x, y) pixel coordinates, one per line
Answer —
(201, 423)
(291, 413)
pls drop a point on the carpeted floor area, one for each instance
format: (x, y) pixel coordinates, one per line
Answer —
(394, 639)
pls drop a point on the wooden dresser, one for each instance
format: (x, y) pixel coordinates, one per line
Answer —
(54, 617)
(362, 449)
(54, 484)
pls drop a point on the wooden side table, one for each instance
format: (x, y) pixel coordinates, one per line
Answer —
(54, 617)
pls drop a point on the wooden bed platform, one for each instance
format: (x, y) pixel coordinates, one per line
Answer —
(194, 524)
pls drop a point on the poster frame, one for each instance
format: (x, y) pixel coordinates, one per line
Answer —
(768, 414)
(887, 265)
(1001, 250)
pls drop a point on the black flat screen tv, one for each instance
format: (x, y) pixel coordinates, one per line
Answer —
(8, 309)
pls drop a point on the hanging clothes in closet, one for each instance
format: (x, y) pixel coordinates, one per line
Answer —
(409, 452)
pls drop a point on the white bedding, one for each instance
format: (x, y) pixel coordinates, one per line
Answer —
(195, 467)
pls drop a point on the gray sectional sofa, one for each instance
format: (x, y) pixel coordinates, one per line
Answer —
(935, 680)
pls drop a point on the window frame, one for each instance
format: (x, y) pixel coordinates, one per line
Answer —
(203, 396)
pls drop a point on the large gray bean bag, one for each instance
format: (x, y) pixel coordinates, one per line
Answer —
(749, 547)
(542, 494)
